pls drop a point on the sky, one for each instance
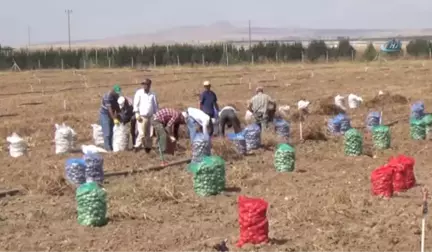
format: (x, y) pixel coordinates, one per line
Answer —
(97, 19)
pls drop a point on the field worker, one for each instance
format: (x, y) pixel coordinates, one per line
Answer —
(145, 106)
(166, 122)
(127, 115)
(208, 103)
(195, 116)
(108, 115)
(228, 117)
(259, 105)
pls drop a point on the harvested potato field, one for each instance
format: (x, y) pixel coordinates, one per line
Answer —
(325, 204)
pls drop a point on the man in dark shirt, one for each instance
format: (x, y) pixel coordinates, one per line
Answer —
(208, 104)
(126, 115)
(108, 115)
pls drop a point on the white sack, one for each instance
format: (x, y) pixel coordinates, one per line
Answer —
(17, 145)
(87, 149)
(340, 102)
(98, 135)
(248, 116)
(354, 101)
(303, 105)
(120, 137)
(65, 138)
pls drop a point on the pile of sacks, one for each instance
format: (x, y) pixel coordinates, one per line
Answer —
(396, 176)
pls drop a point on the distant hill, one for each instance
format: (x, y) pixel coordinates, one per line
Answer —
(224, 31)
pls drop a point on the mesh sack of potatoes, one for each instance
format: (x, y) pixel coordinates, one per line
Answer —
(252, 135)
(75, 171)
(201, 147)
(94, 170)
(91, 205)
(417, 129)
(353, 142)
(284, 158)
(427, 120)
(282, 129)
(381, 137)
(208, 176)
(372, 120)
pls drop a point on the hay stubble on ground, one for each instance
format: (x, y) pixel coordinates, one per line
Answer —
(324, 205)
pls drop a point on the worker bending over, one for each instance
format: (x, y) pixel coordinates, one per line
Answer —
(228, 117)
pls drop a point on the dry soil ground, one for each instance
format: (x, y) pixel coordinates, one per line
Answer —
(325, 205)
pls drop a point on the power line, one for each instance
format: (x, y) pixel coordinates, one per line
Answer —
(68, 12)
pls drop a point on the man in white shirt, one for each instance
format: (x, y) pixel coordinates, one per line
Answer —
(145, 106)
(198, 116)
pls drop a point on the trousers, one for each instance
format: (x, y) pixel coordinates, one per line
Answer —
(144, 133)
(107, 129)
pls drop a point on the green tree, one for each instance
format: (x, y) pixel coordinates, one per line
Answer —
(418, 47)
(345, 49)
(316, 49)
(370, 53)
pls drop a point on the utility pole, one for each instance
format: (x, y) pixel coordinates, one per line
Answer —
(68, 12)
(250, 36)
(28, 37)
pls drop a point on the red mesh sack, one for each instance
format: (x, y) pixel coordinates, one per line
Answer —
(252, 220)
(408, 166)
(382, 181)
(399, 177)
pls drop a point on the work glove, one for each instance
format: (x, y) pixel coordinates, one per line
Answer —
(116, 121)
(138, 117)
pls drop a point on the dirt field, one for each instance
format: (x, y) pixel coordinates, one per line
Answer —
(325, 205)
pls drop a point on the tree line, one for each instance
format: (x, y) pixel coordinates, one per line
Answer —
(184, 54)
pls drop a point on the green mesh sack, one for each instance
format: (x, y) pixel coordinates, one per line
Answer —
(381, 137)
(208, 176)
(91, 205)
(284, 158)
(427, 120)
(417, 129)
(353, 142)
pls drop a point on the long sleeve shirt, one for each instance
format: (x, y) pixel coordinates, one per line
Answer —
(168, 117)
(145, 104)
(260, 102)
(200, 117)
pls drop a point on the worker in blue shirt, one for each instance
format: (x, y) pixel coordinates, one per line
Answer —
(208, 104)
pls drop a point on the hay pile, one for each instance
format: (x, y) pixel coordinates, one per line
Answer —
(326, 106)
(386, 100)
(314, 132)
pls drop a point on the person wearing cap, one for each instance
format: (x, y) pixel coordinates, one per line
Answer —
(195, 116)
(208, 104)
(108, 115)
(145, 106)
(126, 115)
(166, 122)
(228, 117)
(262, 107)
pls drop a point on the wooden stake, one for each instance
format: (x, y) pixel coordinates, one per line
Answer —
(425, 212)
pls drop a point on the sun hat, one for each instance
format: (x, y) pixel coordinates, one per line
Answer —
(206, 83)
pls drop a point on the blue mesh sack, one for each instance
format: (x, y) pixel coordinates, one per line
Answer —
(282, 129)
(239, 141)
(417, 111)
(201, 147)
(345, 123)
(334, 125)
(75, 171)
(373, 119)
(252, 135)
(94, 170)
